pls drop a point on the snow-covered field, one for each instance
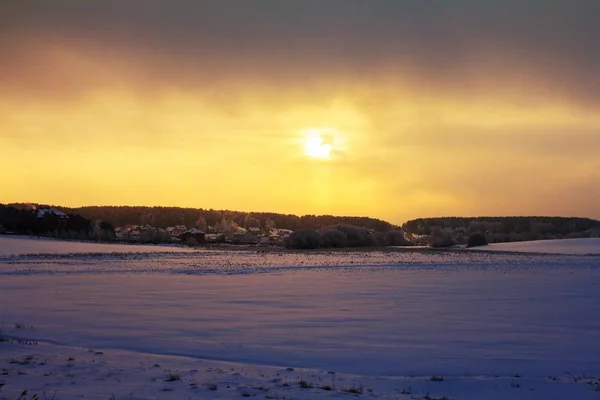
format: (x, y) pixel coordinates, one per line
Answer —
(559, 246)
(16, 245)
(231, 324)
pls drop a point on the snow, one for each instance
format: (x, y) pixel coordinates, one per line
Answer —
(43, 211)
(489, 325)
(71, 372)
(18, 245)
(558, 246)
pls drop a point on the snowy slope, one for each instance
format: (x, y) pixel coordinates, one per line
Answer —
(59, 372)
(559, 246)
(462, 325)
(15, 245)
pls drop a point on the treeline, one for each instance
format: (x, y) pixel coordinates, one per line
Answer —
(28, 221)
(456, 230)
(340, 236)
(164, 217)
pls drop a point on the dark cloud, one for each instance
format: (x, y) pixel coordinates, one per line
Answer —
(455, 45)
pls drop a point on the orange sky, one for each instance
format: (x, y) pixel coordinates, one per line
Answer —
(93, 116)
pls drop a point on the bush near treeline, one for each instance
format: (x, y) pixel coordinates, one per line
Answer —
(477, 239)
(448, 231)
(504, 225)
(340, 236)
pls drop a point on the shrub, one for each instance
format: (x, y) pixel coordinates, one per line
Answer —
(334, 238)
(354, 390)
(442, 239)
(305, 385)
(477, 239)
(192, 242)
(172, 377)
(356, 236)
(397, 238)
(304, 239)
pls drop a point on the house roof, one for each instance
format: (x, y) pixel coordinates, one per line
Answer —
(43, 211)
(194, 231)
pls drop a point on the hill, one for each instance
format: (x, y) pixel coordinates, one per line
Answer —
(49, 221)
(505, 229)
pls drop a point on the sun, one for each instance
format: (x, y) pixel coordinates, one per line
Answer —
(316, 145)
(316, 148)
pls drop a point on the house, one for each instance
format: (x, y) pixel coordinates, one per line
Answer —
(129, 232)
(122, 233)
(41, 212)
(244, 237)
(59, 217)
(195, 234)
(276, 239)
(282, 232)
(214, 238)
(175, 231)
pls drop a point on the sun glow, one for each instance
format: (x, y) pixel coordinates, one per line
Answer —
(316, 145)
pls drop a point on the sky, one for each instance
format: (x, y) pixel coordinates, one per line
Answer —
(381, 108)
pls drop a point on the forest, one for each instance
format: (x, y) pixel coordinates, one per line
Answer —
(42, 221)
(164, 217)
(455, 230)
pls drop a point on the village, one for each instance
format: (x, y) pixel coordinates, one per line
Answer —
(231, 234)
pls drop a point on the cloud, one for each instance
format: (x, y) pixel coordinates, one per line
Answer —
(463, 46)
